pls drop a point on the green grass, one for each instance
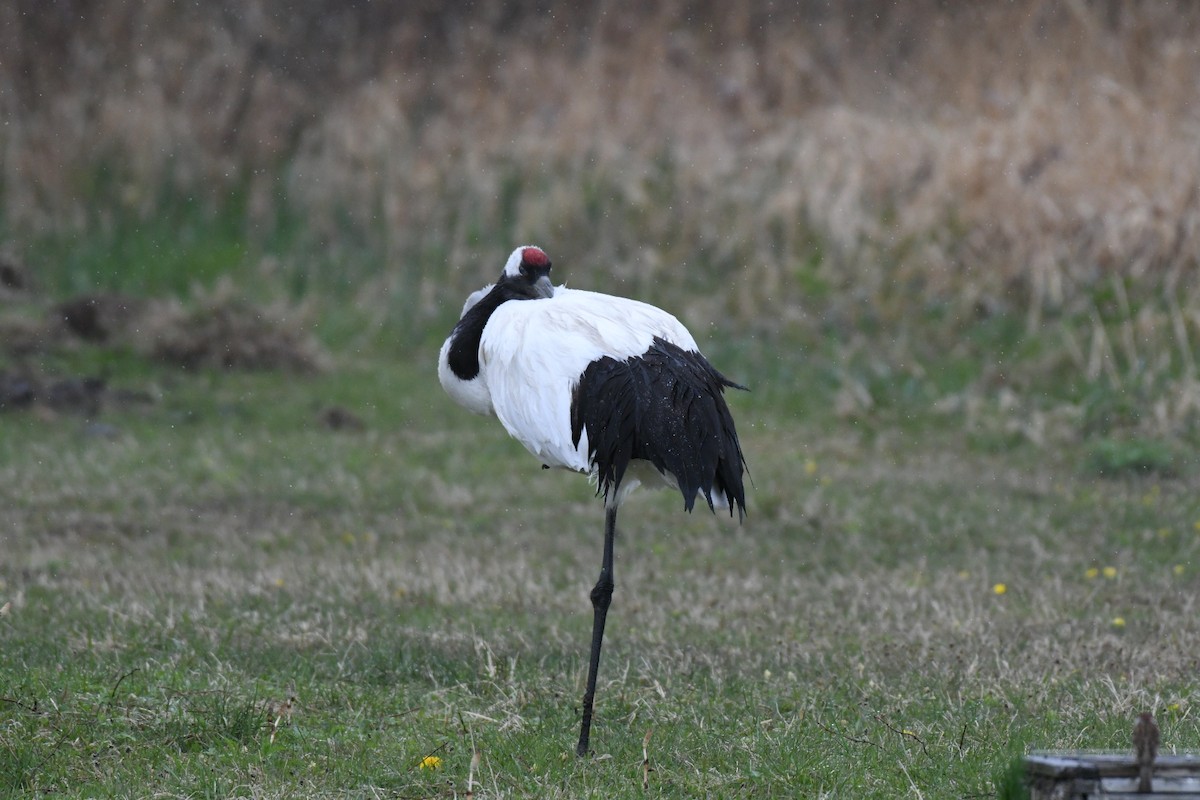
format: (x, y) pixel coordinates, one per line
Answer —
(1147, 456)
(421, 589)
(181, 241)
(186, 240)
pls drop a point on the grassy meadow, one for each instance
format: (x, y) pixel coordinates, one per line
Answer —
(902, 614)
(248, 547)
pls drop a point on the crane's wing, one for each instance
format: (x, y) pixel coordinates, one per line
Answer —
(533, 354)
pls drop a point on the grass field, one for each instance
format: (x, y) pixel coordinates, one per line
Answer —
(907, 608)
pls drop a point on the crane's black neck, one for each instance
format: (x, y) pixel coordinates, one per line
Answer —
(463, 357)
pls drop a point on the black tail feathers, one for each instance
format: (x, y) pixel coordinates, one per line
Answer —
(667, 407)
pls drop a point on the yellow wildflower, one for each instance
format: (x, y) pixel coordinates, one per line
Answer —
(1177, 569)
(999, 588)
(1110, 572)
(1118, 622)
(1092, 572)
(810, 467)
(431, 762)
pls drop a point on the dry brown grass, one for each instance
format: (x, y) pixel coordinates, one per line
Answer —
(1003, 157)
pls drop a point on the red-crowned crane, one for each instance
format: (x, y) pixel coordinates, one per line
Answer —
(602, 385)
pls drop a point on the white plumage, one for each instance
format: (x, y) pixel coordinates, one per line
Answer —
(533, 355)
(611, 387)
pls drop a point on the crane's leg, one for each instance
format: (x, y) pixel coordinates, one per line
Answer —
(601, 597)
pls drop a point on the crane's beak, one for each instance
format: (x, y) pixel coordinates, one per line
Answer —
(543, 287)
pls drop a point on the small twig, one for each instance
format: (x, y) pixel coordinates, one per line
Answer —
(31, 709)
(962, 737)
(902, 732)
(38, 767)
(405, 713)
(646, 760)
(841, 735)
(112, 696)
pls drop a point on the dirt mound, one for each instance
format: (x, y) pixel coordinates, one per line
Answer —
(101, 316)
(216, 328)
(85, 395)
(14, 276)
(220, 329)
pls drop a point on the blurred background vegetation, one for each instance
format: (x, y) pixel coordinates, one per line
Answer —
(992, 210)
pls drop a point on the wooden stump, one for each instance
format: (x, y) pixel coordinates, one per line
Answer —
(1094, 775)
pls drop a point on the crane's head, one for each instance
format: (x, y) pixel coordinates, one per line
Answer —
(528, 269)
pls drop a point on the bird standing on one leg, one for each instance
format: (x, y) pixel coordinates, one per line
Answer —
(602, 385)
(1145, 749)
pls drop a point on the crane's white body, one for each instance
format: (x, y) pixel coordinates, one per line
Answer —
(532, 354)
